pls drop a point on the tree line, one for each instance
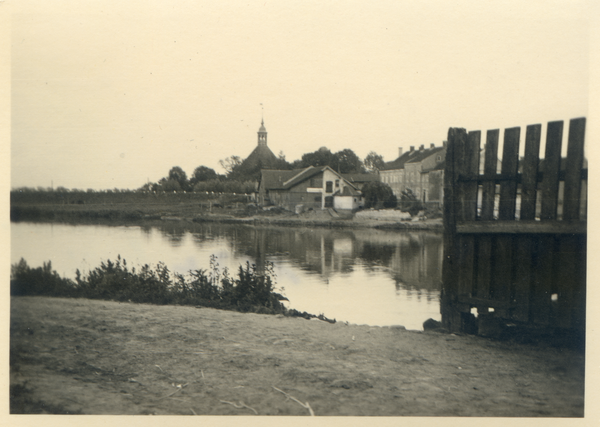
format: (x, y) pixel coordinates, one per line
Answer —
(241, 178)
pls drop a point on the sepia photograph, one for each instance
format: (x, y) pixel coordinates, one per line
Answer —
(298, 208)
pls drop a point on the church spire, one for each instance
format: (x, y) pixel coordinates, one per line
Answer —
(262, 134)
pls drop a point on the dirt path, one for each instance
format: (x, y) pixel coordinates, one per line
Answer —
(99, 357)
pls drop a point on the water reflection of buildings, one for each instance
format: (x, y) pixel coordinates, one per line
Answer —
(413, 259)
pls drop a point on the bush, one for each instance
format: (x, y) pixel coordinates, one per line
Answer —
(409, 203)
(25, 280)
(378, 195)
(252, 290)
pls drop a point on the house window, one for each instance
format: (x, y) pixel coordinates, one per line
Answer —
(337, 183)
(329, 187)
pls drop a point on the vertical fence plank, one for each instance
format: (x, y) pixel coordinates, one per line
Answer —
(510, 165)
(524, 247)
(523, 278)
(503, 262)
(551, 170)
(530, 172)
(544, 278)
(450, 316)
(484, 243)
(543, 263)
(573, 167)
(567, 285)
(463, 254)
(489, 169)
(468, 167)
(579, 290)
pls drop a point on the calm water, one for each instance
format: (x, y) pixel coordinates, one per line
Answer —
(360, 276)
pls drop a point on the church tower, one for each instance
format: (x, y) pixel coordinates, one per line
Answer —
(262, 135)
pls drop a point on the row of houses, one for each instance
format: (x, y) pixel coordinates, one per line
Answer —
(418, 170)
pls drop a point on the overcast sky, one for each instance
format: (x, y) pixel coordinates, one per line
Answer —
(111, 94)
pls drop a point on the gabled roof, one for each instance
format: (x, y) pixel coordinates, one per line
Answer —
(414, 156)
(284, 179)
(302, 176)
(399, 162)
(423, 154)
(274, 179)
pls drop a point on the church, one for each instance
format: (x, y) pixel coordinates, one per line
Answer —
(261, 157)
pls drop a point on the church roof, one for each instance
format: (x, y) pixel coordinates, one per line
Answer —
(260, 155)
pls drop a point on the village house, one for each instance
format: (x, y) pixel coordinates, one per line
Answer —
(313, 187)
(419, 170)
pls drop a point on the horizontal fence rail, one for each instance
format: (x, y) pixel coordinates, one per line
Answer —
(515, 229)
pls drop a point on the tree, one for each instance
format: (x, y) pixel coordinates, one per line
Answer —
(346, 161)
(230, 163)
(321, 157)
(178, 175)
(378, 194)
(282, 163)
(373, 162)
(202, 173)
(169, 185)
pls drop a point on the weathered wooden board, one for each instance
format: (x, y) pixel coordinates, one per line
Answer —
(551, 168)
(574, 163)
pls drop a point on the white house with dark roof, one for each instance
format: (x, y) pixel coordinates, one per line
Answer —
(314, 187)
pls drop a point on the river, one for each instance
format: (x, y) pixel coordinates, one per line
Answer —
(362, 276)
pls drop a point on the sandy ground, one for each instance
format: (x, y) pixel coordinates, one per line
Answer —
(100, 357)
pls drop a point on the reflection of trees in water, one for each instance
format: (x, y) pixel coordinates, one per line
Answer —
(174, 232)
(413, 259)
(417, 263)
(418, 293)
(373, 254)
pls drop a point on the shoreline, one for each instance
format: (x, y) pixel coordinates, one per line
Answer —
(127, 213)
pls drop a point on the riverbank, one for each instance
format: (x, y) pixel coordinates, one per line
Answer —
(240, 213)
(103, 357)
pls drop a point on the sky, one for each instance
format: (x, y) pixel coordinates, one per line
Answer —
(110, 94)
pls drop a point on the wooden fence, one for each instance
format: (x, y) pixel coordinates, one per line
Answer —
(515, 241)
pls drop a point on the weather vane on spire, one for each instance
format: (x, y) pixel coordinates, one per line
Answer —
(262, 112)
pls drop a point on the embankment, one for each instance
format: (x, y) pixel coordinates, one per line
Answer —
(233, 213)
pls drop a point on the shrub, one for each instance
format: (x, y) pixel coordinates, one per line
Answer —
(25, 280)
(251, 290)
(409, 203)
(378, 195)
